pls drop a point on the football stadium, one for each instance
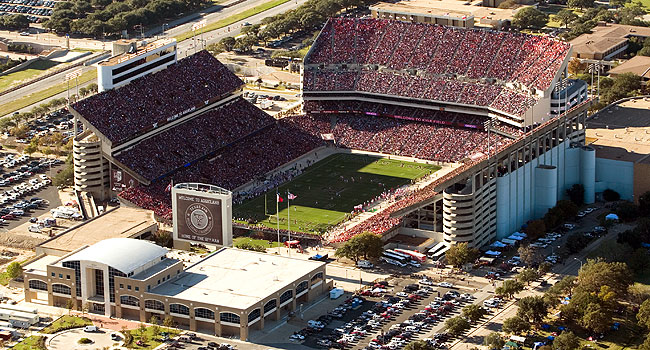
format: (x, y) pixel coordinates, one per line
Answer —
(406, 128)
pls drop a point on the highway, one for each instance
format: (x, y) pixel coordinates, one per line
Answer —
(184, 48)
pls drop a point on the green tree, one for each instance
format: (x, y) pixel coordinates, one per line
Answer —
(494, 341)
(576, 193)
(643, 316)
(509, 288)
(530, 256)
(168, 322)
(527, 275)
(596, 319)
(515, 325)
(566, 341)
(566, 16)
(580, 4)
(14, 270)
(532, 309)
(646, 344)
(456, 325)
(529, 17)
(597, 273)
(544, 268)
(366, 245)
(461, 253)
(418, 345)
(473, 312)
(644, 204)
(536, 229)
(65, 177)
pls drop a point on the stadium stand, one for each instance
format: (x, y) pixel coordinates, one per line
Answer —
(150, 102)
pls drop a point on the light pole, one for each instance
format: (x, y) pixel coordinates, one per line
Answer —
(163, 28)
(576, 259)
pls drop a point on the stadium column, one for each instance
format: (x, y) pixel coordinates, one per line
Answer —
(261, 321)
(192, 318)
(243, 326)
(217, 322)
(143, 314)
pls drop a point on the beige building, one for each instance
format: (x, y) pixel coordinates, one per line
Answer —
(444, 12)
(226, 293)
(606, 41)
(638, 65)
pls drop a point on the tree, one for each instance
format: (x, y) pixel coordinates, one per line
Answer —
(536, 229)
(168, 322)
(576, 193)
(529, 17)
(643, 316)
(65, 177)
(14, 270)
(566, 16)
(142, 328)
(597, 273)
(611, 195)
(530, 256)
(515, 325)
(456, 325)
(646, 344)
(367, 245)
(544, 268)
(69, 305)
(460, 254)
(580, 4)
(644, 204)
(596, 319)
(532, 309)
(527, 275)
(473, 312)
(509, 288)
(494, 341)
(566, 341)
(418, 345)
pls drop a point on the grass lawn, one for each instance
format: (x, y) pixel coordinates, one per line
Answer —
(66, 322)
(29, 100)
(257, 242)
(30, 343)
(233, 19)
(152, 342)
(34, 69)
(329, 189)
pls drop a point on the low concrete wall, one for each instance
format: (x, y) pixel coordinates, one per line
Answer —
(20, 66)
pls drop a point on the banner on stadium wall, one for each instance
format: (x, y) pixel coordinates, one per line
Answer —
(198, 218)
(423, 120)
(121, 180)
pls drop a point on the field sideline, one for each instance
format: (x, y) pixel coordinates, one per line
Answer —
(329, 189)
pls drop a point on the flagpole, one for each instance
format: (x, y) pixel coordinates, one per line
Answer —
(288, 219)
(277, 215)
(265, 210)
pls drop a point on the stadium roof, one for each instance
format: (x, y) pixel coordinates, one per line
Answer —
(237, 278)
(156, 99)
(124, 254)
(445, 8)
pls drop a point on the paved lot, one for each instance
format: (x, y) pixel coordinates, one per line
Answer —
(68, 340)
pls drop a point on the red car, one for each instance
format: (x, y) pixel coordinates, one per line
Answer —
(8, 217)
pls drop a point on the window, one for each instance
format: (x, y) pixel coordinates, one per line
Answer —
(137, 289)
(286, 296)
(77, 274)
(67, 277)
(60, 275)
(121, 286)
(302, 287)
(204, 313)
(53, 274)
(128, 287)
(37, 284)
(179, 309)
(229, 317)
(61, 289)
(272, 304)
(153, 304)
(318, 276)
(254, 315)
(129, 300)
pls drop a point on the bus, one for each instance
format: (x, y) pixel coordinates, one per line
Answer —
(394, 257)
(407, 258)
(419, 257)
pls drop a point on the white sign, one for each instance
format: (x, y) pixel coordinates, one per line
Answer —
(73, 75)
(199, 25)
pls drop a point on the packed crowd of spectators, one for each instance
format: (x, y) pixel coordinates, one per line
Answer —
(440, 54)
(155, 99)
(193, 139)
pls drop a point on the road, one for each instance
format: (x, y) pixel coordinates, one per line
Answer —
(184, 48)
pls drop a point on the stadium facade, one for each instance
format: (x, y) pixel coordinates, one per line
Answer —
(494, 106)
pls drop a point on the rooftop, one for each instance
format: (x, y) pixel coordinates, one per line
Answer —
(226, 277)
(122, 222)
(622, 132)
(447, 8)
(639, 65)
(139, 51)
(123, 254)
(605, 36)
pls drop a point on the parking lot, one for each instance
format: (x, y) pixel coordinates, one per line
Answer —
(206, 342)
(26, 188)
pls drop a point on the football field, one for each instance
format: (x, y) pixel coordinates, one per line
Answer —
(328, 190)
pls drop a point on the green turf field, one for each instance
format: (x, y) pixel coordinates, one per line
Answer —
(326, 192)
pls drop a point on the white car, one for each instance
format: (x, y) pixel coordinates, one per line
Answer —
(426, 282)
(402, 294)
(445, 285)
(43, 176)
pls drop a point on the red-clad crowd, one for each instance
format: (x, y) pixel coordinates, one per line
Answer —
(175, 147)
(153, 100)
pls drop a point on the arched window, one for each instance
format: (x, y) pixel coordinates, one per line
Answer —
(204, 313)
(229, 317)
(154, 304)
(129, 300)
(272, 304)
(286, 296)
(253, 315)
(38, 285)
(179, 309)
(61, 289)
(318, 276)
(302, 287)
